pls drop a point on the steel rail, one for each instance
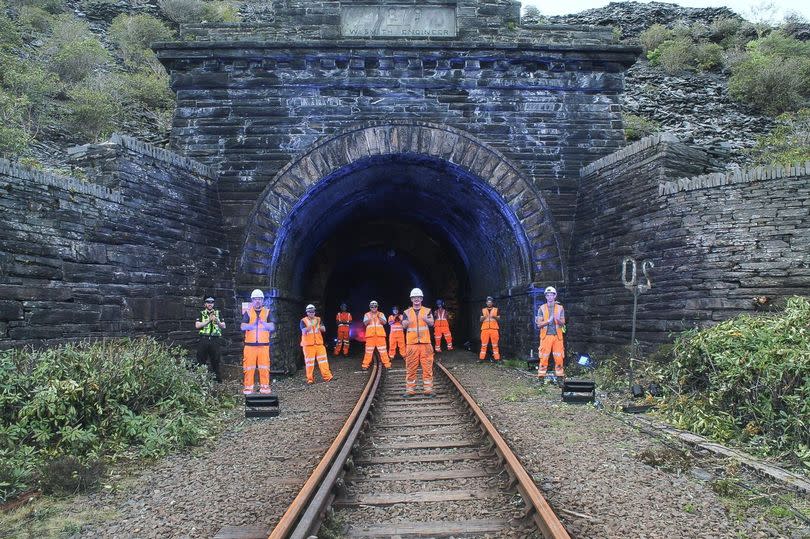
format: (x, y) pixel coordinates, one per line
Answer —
(536, 504)
(305, 510)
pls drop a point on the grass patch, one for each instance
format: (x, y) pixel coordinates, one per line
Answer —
(47, 518)
(523, 393)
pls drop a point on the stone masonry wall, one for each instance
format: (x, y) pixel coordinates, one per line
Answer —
(252, 107)
(133, 251)
(716, 241)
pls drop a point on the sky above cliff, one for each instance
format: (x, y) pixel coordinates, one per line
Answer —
(741, 7)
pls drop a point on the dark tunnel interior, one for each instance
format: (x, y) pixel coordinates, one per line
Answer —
(382, 226)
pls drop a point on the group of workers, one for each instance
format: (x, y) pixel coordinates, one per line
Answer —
(409, 336)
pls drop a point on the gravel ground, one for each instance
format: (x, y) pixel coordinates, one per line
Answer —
(247, 477)
(592, 465)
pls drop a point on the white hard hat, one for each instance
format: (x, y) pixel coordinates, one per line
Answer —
(550, 289)
(310, 307)
(257, 294)
(373, 302)
(417, 292)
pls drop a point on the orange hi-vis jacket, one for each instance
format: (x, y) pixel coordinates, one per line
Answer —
(418, 330)
(343, 319)
(544, 310)
(394, 324)
(375, 327)
(311, 333)
(487, 323)
(258, 336)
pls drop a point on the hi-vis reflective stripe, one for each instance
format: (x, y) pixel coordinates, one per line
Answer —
(248, 369)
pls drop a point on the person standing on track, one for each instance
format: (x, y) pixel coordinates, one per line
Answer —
(257, 327)
(344, 321)
(442, 327)
(396, 336)
(210, 325)
(312, 330)
(490, 330)
(417, 321)
(375, 336)
(551, 321)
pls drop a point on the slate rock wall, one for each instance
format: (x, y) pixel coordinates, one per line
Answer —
(131, 251)
(717, 241)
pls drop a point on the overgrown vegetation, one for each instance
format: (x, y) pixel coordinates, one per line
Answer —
(747, 380)
(74, 407)
(769, 68)
(788, 143)
(54, 67)
(636, 127)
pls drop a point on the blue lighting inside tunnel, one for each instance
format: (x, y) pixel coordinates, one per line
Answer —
(382, 225)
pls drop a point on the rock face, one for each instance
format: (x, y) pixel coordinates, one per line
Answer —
(694, 106)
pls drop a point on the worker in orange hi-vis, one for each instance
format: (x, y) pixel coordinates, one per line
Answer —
(442, 326)
(396, 337)
(490, 330)
(417, 321)
(375, 336)
(312, 330)
(344, 321)
(551, 321)
(257, 328)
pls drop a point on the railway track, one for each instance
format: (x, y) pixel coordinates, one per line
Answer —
(419, 468)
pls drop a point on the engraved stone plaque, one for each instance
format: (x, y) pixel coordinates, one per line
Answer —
(398, 21)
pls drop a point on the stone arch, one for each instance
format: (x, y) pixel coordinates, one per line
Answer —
(294, 181)
(497, 237)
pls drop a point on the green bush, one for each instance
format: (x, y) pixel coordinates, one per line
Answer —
(770, 83)
(674, 55)
(93, 111)
(30, 80)
(54, 7)
(148, 87)
(77, 60)
(220, 11)
(133, 34)
(709, 56)
(10, 37)
(35, 19)
(652, 37)
(182, 11)
(787, 144)
(15, 135)
(747, 380)
(98, 400)
(724, 30)
(636, 127)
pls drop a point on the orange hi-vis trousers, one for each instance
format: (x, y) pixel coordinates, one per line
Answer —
(376, 343)
(419, 355)
(551, 345)
(441, 328)
(490, 336)
(256, 357)
(313, 353)
(342, 340)
(396, 340)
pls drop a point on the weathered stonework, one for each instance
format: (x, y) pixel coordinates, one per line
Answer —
(717, 241)
(133, 251)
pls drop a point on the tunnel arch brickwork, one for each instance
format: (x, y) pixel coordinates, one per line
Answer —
(382, 139)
